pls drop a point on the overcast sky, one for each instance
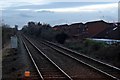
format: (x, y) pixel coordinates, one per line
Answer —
(52, 12)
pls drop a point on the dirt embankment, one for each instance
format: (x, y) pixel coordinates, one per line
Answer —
(15, 62)
(9, 64)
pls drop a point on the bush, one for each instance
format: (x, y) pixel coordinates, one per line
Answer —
(91, 46)
(61, 37)
(48, 34)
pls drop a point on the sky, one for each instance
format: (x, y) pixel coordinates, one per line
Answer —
(19, 12)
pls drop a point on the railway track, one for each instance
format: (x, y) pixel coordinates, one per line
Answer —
(108, 70)
(104, 68)
(46, 68)
(33, 73)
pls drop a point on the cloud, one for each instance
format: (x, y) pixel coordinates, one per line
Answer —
(88, 8)
(86, 0)
(23, 9)
(25, 15)
(15, 3)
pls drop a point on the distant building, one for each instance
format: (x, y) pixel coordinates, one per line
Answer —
(112, 32)
(61, 27)
(95, 27)
(75, 29)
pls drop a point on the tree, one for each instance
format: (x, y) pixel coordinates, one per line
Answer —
(16, 27)
(31, 27)
(44, 30)
(61, 37)
(39, 24)
(7, 32)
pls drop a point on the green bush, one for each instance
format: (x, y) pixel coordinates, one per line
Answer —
(94, 45)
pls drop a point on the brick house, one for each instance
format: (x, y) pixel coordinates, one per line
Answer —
(112, 32)
(61, 27)
(75, 29)
(95, 27)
